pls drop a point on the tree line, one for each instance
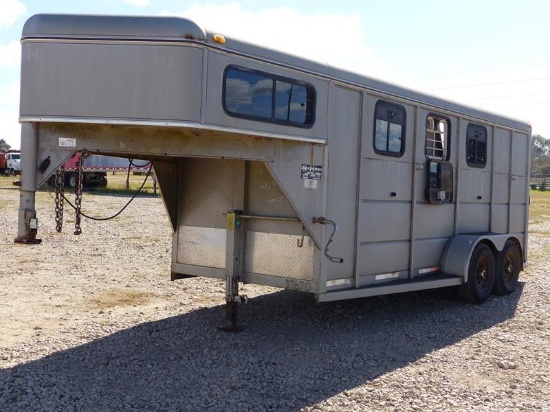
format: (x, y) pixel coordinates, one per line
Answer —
(540, 155)
(4, 145)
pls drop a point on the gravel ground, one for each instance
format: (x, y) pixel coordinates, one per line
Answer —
(93, 323)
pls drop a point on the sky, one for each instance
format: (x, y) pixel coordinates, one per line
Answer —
(490, 54)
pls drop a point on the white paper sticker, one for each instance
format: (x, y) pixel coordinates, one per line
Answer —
(67, 142)
(310, 184)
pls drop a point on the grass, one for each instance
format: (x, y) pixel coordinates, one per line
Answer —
(116, 185)
(122, 184)
(6, 182)
(539, 213)
(539, 210)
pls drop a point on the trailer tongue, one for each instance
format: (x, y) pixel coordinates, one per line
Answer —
(277, 170)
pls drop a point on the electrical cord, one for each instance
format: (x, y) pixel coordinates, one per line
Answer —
(123, 208)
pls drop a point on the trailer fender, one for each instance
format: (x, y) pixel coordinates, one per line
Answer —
(458, 251)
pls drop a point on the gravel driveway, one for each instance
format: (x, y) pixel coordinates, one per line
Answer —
(93, 323)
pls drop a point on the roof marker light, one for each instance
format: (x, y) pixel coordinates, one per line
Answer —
(218, 38)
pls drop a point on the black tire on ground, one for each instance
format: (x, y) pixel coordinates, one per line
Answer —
(507, 270)
(481, 276)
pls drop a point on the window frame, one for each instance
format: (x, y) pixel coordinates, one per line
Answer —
(446, 140)
(389, 107)
(472, 135)
(311, 98)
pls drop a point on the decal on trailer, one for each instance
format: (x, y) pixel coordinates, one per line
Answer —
(311, 174)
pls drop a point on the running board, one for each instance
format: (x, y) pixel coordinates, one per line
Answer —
(394, 287)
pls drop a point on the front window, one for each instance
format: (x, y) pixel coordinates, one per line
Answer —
(262, 96)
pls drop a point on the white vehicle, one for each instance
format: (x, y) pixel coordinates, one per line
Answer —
(10, 162)
(277, 170)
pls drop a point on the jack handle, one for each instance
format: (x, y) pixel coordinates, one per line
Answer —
(324, 221)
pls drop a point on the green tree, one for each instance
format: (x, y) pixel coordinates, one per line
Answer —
(4, 144)
(540, 155)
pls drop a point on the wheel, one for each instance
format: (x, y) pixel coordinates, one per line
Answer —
(102, 182)
(71, 181)
(481, 275)
(508, 267)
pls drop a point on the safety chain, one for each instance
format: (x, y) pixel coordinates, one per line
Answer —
(78, 195)
(59, 197)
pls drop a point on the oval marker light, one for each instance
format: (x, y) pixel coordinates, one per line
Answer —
(218, 38)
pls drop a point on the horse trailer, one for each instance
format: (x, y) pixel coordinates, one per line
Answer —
(277, 170)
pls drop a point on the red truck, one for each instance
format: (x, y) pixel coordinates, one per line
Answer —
(96, 167)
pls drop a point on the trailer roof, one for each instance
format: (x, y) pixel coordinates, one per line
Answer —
(159, 28)
(108, 26)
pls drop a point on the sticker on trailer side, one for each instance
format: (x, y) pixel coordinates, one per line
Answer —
(312, 172)
(67, 142)
(310, 175)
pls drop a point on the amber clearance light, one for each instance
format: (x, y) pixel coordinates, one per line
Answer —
(218, 38)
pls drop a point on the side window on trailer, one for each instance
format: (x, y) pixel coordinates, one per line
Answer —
(437, 137)
(476, 146)
(262, 96)
(389, 129)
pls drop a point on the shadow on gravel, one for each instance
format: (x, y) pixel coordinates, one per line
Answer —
(293, 353)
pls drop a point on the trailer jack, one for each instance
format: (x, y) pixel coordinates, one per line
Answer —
(233, 271)
(27, 228)
(231, 309)
(31, 225)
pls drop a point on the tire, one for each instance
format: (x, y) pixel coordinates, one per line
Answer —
(481, 276)
(102, 182)
(507, 271)
(71, 180)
